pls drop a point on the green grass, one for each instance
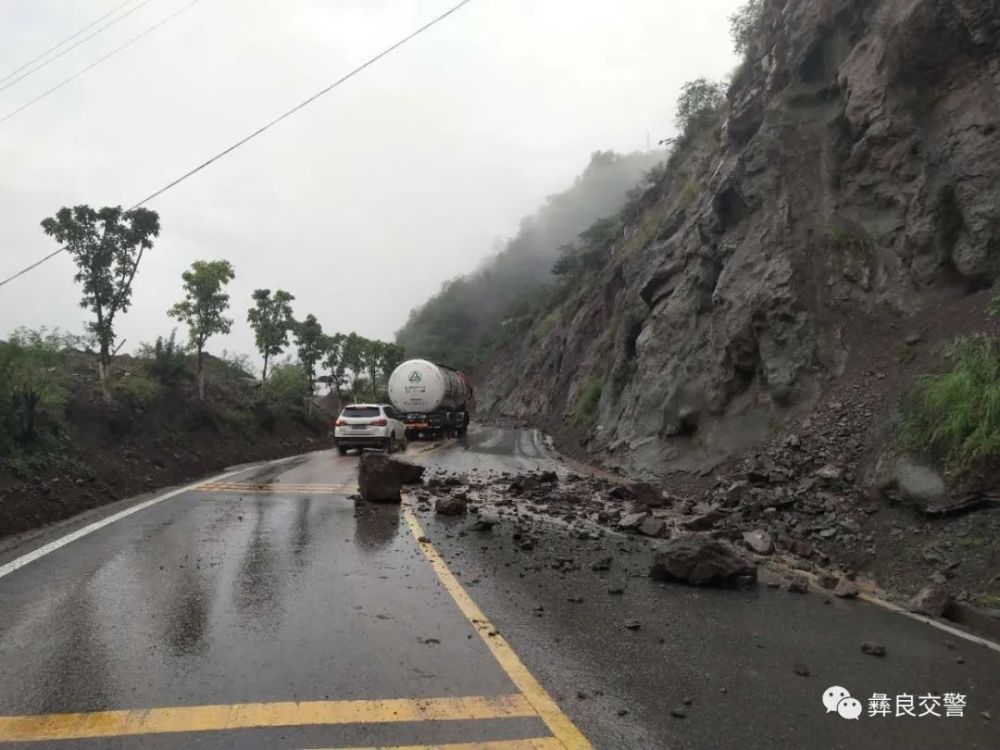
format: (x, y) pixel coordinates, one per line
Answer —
(954, 417)
(588, 399)
(856, 239)
(138, 391)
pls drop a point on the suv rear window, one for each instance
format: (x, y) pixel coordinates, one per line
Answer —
(361, 412)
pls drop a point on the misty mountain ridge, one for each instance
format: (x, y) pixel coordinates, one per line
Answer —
(463, 322)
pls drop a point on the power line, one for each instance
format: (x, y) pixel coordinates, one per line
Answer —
(96, 62)
(70, 38)
(72, 47)
(297, 107)
(262, 129)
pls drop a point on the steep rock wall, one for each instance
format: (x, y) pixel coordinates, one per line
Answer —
(857, 169)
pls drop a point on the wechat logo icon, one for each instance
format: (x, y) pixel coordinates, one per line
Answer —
(839, 700)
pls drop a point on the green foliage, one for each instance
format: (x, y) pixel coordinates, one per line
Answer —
(954, 417)
(271, 320)
(852, 239)
(334, 361)
(353, 357)
(239, 365)
(744, 24)
(312, 345)
(288, 383)
(472, 315)
(138, 391)
(368, 362)
(994, 308)
(106, 246)
(33, 388)
(591, 251)
(167, 360)
(698, 107)
(203, 307)
(547, 325)
(241, 419)
(589, 399)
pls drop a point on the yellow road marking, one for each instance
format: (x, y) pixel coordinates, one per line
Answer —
(535, 743)
(254, 715)
(558, 723)
(289, 489)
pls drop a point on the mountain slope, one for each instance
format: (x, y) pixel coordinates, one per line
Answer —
(854, 181)
(458, 325)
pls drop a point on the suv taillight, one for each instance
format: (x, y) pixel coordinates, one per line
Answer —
(340, 423)
(380, 423)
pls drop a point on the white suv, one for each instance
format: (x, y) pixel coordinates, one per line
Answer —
(369, 426)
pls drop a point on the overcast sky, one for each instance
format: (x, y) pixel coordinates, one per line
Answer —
(361, 204)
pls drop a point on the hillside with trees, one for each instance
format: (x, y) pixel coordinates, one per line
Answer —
(464, 321)
(83, 424)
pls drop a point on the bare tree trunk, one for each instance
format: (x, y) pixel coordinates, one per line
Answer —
(30, 400)
(263, 374)
(201, 375)
(103, 373)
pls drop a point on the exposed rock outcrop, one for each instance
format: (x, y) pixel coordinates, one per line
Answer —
(857, 168)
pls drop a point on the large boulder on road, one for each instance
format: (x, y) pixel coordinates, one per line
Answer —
(701, 561)
(381, 477)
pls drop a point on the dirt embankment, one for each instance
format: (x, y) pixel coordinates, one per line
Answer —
(110, 452)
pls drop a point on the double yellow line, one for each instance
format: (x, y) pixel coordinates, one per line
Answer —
(532, 701)
(278, 489)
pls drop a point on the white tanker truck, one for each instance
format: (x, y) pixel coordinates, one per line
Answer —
(431, 399)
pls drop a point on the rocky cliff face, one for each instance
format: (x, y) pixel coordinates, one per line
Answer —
(855, 178)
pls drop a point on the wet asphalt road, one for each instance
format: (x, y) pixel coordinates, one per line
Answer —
(265, 610)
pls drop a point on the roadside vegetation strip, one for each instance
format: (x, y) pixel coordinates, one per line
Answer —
(548, 710)
(534, 743)
(53, 727)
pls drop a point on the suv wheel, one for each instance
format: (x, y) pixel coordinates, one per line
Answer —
(389, 444)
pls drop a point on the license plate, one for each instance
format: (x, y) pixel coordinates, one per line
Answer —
(359, 427)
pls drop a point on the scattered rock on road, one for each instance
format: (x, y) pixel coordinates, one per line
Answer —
(872, 649)
(704, 521)
(798, 585)
(451, 505)
(602, 563)
(652, 526)
(759, 541)
(632, 521)
(700, 561)
(485, 522)
(846, 589)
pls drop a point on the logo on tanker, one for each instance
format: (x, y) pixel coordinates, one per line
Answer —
(415, 377)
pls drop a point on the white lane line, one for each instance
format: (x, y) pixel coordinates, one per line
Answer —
(957, 632)
(42, 551)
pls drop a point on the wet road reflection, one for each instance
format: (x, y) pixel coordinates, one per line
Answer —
(376, 527)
